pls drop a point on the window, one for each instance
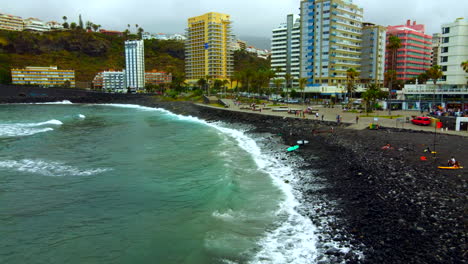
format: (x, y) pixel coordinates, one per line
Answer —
(444, 58)
(446, 30)
(444, 68)
(444, 49)
(445, 40)
(444, 78)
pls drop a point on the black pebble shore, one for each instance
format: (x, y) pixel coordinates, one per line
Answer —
(387, 205)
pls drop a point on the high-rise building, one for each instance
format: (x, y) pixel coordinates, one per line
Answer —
(207, 51)
(43, 76)
(135, 64)
(9, 22)
(331, 40)
(285, 46)
(454, 51)
(373, 53)
(414, 56)
(436, 41)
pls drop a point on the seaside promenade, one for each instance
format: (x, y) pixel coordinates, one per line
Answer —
(330, 114)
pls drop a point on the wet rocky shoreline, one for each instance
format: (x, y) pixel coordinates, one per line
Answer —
(388, 205)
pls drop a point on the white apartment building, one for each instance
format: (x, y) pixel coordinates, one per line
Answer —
(135, 64)
(285, 49)
(331, 41)
(373, 53)
(436, 41)
(453, 51)
(35, 24)
(114, 81)
(178, 37)
(53, 25)
(9, 22)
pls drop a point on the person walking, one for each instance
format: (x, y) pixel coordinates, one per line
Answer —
(323, 116)
(357, 119)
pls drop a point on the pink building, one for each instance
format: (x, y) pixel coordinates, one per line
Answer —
(414, 56)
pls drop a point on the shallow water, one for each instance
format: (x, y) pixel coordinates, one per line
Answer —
(120, 184)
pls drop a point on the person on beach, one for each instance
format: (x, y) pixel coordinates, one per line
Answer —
(316, 116)
(357, 119)
(323, 116)
(338, 119)
(452, 162)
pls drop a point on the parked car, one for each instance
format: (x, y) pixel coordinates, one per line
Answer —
(421, 121)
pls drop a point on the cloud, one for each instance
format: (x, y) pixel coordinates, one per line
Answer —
(250, 17)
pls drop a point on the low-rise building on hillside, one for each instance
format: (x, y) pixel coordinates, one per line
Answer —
(43, 76)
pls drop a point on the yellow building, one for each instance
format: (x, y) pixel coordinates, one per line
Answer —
(43, 76)
(9, 22)
(207, 51)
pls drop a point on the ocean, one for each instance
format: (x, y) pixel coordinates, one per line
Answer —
(83, 183)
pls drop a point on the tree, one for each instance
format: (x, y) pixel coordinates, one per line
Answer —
(464, 65)
(66, 25)
(225, 83)
(434, 73)
(95, 27)
(423, 78)
(64, 19)
(73, 25)
(80, 22)
(140, 32)
(351, 75)
(394, 43)
(89, 25)
(371, 95)
(287, 78)
(302, 85)
(202, 83)
(278, 83)
(208, 84)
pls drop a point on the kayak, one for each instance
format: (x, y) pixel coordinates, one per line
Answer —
(450, 168)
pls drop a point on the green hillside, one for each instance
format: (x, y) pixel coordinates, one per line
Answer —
(86, 53)
(90, 52)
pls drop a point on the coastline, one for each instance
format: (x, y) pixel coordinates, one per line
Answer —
(389, 205)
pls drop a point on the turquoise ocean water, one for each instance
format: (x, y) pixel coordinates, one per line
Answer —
(130, 184)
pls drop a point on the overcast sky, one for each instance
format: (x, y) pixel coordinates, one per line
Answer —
(251, 17)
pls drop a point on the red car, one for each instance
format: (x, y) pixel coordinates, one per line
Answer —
(421, 120)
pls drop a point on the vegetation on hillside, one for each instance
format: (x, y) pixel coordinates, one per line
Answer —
(86, 52)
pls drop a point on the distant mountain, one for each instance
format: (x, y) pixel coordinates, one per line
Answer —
(257, 42)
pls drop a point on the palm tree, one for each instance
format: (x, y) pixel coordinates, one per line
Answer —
(302, 85)
(394, 43)
(208, 82)
(464, 65)
(95, 27)
(140, 32)
(435, 74)
(65, 24)
(351, 75)
(201, 83)
(225, 82)
(371, 95)
(278, 83)
(288, 79)
(238, 77)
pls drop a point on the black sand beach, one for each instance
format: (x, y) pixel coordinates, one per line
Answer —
(387, 204)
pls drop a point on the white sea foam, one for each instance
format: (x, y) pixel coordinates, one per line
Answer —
(61, 102)
(27, 129)
(80, 116)
(295, 240)
(47, 168)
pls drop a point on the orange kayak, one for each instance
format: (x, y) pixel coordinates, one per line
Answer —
(450, 168)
